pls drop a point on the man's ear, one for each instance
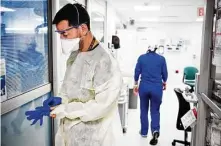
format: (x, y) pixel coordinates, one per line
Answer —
(84, 29)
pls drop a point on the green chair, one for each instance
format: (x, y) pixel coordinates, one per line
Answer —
(189, 76)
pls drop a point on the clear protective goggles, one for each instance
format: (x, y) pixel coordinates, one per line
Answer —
(65, 30)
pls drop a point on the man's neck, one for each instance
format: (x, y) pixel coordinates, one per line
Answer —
(86, 42)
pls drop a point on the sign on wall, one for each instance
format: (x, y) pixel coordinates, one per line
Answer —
(200, 11)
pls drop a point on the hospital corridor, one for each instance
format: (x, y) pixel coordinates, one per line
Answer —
(169, 111)
(110, 72)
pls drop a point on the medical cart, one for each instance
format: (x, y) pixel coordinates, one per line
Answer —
(123, 107)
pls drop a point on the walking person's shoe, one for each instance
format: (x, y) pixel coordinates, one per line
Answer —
(154, 140)
(142, 135)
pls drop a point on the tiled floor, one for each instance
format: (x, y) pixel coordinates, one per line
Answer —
(169, 110)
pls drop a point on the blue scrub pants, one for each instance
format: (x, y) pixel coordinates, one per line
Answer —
(150, 95)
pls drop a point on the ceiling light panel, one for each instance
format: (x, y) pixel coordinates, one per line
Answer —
(147, 8)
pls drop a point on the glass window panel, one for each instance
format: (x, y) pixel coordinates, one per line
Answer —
(24, 44)
(16, 130)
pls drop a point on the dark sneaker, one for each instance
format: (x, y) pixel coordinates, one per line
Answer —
(144, 136)
(154, 140)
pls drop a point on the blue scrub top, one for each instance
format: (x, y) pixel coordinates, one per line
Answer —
(152, 68)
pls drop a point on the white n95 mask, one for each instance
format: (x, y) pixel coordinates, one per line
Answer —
(70, 45)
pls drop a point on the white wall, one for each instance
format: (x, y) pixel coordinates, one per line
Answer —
(133, 45)
(111, 22)
(114, 20)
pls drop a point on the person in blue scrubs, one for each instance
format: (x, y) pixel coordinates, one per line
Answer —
(153, 71)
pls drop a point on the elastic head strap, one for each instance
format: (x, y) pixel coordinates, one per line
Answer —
(77, 14)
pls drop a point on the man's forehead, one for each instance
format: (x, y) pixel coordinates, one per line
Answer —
(62, 25)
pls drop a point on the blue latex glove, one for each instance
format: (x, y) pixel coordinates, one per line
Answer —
(34, 115)
(44, 110)
(52, 101)
(38, 114)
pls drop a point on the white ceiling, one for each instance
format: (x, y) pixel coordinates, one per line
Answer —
(171, 10)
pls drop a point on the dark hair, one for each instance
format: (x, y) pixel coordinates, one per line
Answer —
(75, 14)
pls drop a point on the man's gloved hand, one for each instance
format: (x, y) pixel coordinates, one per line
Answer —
(44, 110)
(52, 101)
